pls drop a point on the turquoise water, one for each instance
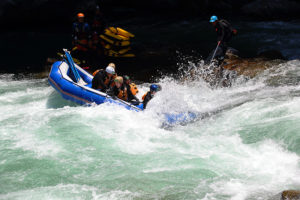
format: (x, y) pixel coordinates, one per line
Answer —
(247, 147)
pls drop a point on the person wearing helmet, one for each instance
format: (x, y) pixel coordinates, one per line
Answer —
(81, 33)
(103, 79)
(150, 94)
(130, 87)
(224, 32)
(120, 90)
(81, 40)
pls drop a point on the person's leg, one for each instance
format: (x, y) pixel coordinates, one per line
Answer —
(218, 56)
(221, 52)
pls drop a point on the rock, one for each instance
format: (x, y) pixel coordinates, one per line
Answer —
(290, 195)
(232, 52)
(234, 66)
(250, 67)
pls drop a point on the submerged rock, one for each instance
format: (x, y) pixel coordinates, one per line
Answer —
(290, 195)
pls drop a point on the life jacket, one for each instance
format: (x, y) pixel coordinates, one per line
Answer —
(134, 90)
(123, 93)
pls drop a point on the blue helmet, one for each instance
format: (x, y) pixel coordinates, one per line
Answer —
(213, 18)
(154, 87)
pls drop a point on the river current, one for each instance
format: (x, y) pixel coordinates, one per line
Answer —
(246, 145)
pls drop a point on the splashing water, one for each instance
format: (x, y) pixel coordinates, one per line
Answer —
(247, 146)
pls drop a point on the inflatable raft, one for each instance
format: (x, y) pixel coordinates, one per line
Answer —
(75, 84)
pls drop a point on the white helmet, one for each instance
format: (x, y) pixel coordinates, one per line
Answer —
(110, 70)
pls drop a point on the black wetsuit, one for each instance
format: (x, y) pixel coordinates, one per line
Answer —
(99, 79)
(224, 34)
(147, 98)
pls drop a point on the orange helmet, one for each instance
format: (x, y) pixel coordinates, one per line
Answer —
(80, 15)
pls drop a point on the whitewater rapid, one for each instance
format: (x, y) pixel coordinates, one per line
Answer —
(246, 145)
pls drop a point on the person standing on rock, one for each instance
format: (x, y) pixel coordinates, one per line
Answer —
(224, 34)
(81, 33)
(81, 40)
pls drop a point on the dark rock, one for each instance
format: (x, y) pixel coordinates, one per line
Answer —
(290, 195)
(250, 67)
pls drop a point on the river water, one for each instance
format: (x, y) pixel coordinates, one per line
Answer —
(247, 146)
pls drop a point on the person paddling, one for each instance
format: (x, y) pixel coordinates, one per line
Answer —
(224, 32)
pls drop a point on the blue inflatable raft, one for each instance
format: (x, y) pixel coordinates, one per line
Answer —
(75, 84)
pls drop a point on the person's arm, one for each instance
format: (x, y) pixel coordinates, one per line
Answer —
(131, 96)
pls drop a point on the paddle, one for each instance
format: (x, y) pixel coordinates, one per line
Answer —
(71, 64)
(215, 51)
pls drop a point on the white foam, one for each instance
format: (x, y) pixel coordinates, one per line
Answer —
(239, 167)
